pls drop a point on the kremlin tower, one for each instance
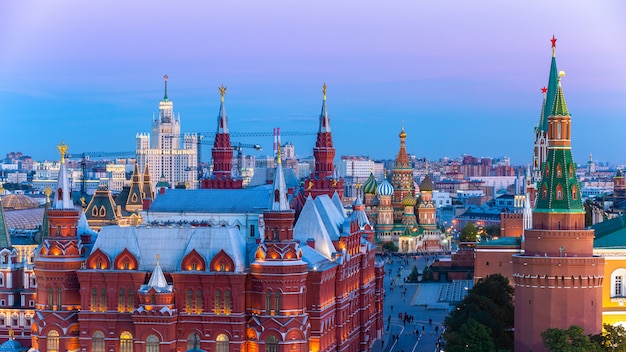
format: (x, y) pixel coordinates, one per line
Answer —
(60, 255)
(540, 151)
(322, 179)
(222, 153)
(558, 280)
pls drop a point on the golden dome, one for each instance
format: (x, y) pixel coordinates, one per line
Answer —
(402, 133)
(18, 201)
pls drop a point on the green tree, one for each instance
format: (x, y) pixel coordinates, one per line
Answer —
(472, 336)
(612, 338)
(571, 340)
(489, 303)
(390, 247)
(492, 231)
(469, 233)
(413, 275)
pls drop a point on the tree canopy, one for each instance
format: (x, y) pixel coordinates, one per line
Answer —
(469, 233)
(489, 303)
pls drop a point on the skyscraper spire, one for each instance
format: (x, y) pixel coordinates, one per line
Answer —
(165, 96)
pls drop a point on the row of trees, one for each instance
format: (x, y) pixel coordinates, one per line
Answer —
(573, 339)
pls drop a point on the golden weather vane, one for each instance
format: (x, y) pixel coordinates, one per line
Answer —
(324, 90)
(63, 150)
(222, 91)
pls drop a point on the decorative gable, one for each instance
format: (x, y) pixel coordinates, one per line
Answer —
(98, 260)
(193, 261)
(125, 261)
(222, 262)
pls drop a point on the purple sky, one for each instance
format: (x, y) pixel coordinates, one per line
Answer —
(464, 76)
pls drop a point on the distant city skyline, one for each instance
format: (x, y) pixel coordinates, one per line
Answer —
(463, 78)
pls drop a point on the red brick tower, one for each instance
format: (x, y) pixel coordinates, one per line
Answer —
(558, 280)
(222, 153)
(277, 288)
(60, 255)
(322, 180)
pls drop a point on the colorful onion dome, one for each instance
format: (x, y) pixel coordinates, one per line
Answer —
(385, 188)
(409, 200)
(427, 184)
(369, 187)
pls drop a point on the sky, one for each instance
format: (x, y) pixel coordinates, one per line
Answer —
(464, 77)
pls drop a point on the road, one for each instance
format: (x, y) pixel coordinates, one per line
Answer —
(416, 301)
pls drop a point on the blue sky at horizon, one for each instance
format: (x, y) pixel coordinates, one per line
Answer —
(464, 77)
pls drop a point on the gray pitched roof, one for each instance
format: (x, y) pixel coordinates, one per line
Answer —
(248, 200)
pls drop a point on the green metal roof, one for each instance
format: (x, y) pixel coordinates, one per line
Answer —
(559, 108)
(550, 95)
(559, 190)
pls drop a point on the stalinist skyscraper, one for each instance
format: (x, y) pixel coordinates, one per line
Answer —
(161, 149)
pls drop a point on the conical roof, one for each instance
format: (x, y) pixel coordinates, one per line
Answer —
(62, 196)
(559, 108)
(551, 92)
(324, 119)
(157, 279)
(279, 196)
(222, 119)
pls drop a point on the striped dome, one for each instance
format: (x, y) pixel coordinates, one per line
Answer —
(369, 187)
(427, 184)
(409, 200)
(385, 188)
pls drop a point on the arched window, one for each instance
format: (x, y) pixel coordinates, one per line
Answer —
(559, 170)
(617, 283)
(94, 211)
(126, 342)
(227, 302)
(268, 302)
(97, 342)
(193, 341)
(1, 279)
(50, 298)
(218, 302)
(189, 301)
(277, 303)
(221, 343)
(559, 192)
(152, 343)
(103, 212)
(574, 192)
(199, 305)
(52, 341)
(271, 344)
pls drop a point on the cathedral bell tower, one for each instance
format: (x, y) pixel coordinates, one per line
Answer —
(61, 253)
(278, 291)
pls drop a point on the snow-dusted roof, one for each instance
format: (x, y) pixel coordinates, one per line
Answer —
(311, 225)
(248, 200)
(172, 244)
(332, 217)
(315, 260)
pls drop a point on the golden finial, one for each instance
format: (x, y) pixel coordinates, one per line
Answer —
(63, 150)
(157, 259)
(358, 185)
(82, 202)
(310, 185)
(11, 334)
(47, 191)
(324, 90)
(561, 73)
(335, 183)
(278, 158)
(222, 90)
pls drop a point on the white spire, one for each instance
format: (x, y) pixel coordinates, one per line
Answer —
(279, 195)
(62, 196)
(324, 119)
(222, 119)
(157, 280)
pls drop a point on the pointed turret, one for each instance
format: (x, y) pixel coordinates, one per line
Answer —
(279, 201)
(147, 192)
(157, 279)
(552, 87)
(63, 195)
(134, 202)
(222, 151)
(324, 152)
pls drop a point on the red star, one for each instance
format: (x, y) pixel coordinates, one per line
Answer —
(553, 40)
(544, 90)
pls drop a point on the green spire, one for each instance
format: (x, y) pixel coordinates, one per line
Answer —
(165, 79)
(552, 87)
(559, 107)
(559, 190)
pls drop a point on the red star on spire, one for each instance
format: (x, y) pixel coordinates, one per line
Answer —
(553, 40)
(544, 90)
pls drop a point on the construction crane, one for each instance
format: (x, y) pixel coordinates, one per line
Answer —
(88, 155)
(238, 147)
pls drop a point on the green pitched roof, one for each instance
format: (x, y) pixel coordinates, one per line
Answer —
(559, 108)
(559, 190)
